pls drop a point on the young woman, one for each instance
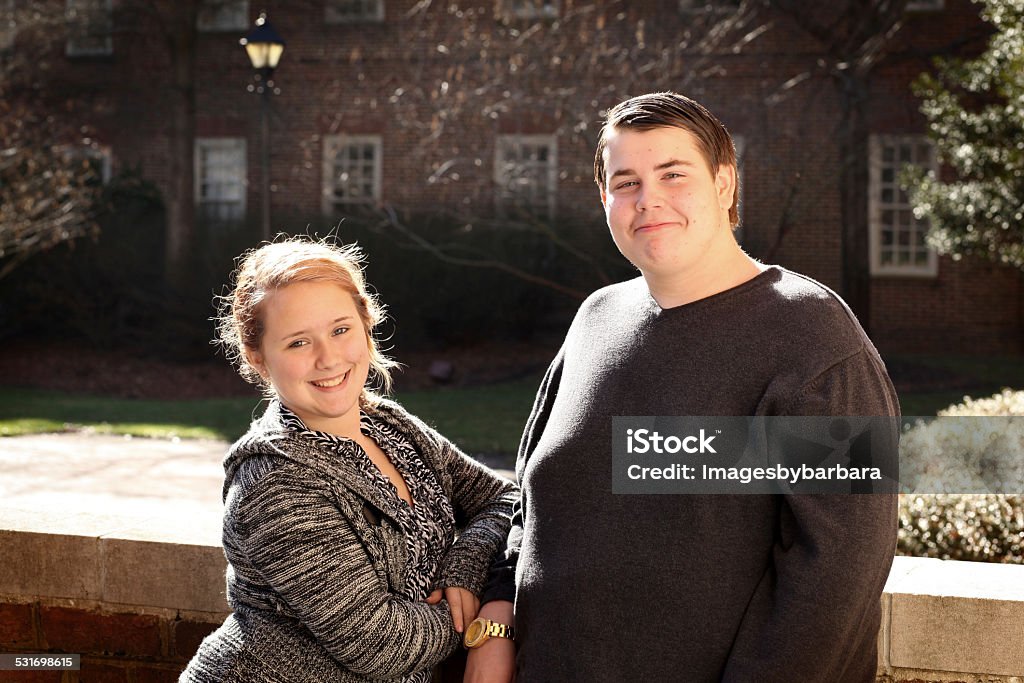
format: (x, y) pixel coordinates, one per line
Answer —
(340, 507)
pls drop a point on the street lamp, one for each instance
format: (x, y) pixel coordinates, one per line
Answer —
(264, 47)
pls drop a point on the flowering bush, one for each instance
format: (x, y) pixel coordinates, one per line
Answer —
(976, 527)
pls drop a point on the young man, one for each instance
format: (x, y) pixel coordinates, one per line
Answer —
(689, 587)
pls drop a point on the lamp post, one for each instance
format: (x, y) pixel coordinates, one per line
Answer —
(264, 47)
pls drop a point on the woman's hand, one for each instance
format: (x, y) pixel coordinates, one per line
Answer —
(464, 606)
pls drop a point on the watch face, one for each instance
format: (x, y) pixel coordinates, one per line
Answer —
(475, 632)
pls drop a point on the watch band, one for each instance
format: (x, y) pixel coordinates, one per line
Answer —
(494, 629)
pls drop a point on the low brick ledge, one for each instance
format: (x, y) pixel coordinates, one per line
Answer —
(137, 598)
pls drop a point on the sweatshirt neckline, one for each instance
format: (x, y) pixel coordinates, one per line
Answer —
(770, 272)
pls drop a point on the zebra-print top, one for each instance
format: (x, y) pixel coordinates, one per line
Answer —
(429, 525)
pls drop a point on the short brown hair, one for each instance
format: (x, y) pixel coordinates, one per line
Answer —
(269, 267)
(672, 110)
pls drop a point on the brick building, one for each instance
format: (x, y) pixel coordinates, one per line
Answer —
(487, 111)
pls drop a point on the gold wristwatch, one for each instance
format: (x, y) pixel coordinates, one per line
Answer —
(480, 630)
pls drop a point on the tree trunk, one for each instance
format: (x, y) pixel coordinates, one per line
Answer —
(180, 188)
(855, 276)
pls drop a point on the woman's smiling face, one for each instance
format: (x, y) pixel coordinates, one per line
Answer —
(315, 354)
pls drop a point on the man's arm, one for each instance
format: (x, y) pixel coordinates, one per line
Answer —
(494, 662)
(815, 614)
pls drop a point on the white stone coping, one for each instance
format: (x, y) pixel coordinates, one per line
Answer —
(956, 617)
(964, 620)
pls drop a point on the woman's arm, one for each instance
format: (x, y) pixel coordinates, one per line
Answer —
(310, 555)
(482, 500)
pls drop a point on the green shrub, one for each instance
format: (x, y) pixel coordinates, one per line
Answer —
(435, 303)
(979, 528)
(974, 527)
(110, 292)
(103, 289)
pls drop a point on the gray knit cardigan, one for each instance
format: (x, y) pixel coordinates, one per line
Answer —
(317, 560)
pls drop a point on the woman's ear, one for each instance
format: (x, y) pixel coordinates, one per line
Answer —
(255, 359)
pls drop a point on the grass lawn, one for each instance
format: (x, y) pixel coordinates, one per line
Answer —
(479, 419)
(30, 411)
(987, 375)
(482, 420)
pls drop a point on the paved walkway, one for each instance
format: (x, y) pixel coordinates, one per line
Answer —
(138, 478)
(112, 475)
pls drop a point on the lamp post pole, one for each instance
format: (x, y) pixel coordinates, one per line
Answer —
(264, 47)
(265, 158)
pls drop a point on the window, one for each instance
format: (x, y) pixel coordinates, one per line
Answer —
(89, 28)
(92, 161)
(220, 179)
(708, 6)
(8, 26)
(346, 11)
(897, 239)
(352, 171)
(925, 5)
(224, 15)
(529, 9)
(526, 175)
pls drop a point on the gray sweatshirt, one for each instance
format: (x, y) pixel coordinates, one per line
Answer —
(696, 588)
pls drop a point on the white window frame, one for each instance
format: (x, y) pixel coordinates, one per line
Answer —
(223, 15)
(506, 199)
(926, 5)
(708, 6)
(373, 11)
(105, 7)
(101, 154)
(239, 146)
(333, 146)
(887, 199)
(8, 24)
(530, 9)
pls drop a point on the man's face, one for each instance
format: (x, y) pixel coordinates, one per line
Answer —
(665, 209)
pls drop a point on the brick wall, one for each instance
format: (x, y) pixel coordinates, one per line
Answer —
(118, 647)
(420, 81)
(115, 647)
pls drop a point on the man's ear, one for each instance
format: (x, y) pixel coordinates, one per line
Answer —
(725, 183)
(604, 198)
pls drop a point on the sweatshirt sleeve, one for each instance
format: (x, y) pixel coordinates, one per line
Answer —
(501, 580)
(815, 614)
(308, 552)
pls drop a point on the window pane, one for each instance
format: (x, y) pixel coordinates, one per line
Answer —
(355, 172)
(221, 178)
(354, 10)
(525, 176)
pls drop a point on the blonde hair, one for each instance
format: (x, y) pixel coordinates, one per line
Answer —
(272, 266)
